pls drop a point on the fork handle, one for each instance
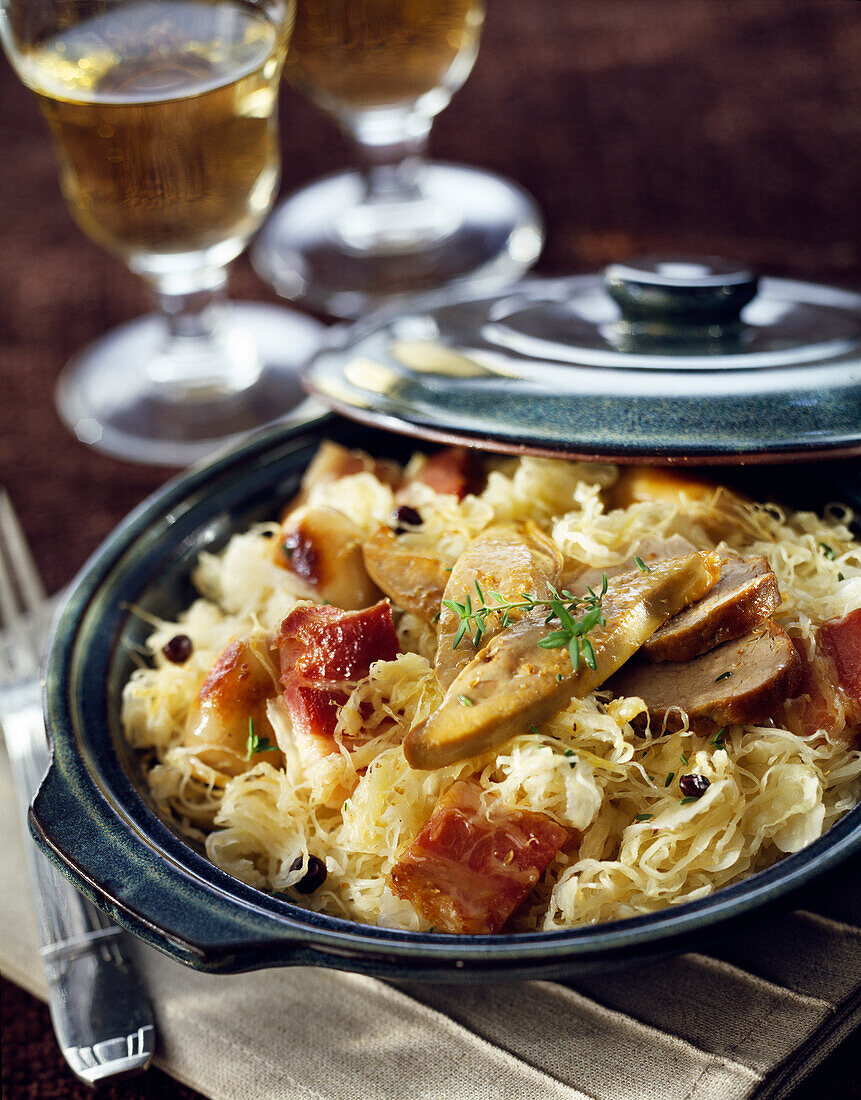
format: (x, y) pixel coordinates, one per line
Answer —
(101, 1016)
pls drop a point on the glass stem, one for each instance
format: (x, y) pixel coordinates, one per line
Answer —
(395, 214)
(200, 358)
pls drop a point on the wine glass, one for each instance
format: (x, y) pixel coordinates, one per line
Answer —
(164, 120)
(383, 69)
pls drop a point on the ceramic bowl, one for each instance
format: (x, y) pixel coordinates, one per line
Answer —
(93, 816)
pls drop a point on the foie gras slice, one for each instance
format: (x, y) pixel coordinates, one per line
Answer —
(513, 683)
(505, 559)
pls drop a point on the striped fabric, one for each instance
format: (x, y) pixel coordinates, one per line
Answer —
(749, 1019)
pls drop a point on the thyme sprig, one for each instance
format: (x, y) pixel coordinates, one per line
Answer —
(256, 744)
(576, 615)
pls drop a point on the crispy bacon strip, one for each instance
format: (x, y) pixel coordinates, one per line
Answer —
(842, 640)
(454, 470)
(323, 649)
(813, 705)
(471, 867)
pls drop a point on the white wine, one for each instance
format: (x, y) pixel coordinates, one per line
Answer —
(163, 114)
(351, 55)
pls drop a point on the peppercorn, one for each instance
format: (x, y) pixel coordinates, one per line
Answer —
(693, 785)
(404, 514)
(314, 876)
(178, 649)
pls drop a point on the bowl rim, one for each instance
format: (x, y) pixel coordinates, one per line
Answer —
(91, 819)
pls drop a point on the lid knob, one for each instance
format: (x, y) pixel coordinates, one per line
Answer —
(683, 291)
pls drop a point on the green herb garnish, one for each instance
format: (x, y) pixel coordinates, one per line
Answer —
(689, 798)
(827, 551)
(641, 565)
(465, 701)
(644, 817)
(684, 758)
(717, 740)
(257, 744)
(723, 676)
(669, 779)
(561, 606)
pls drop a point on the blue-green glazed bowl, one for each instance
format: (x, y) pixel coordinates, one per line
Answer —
(93, 817)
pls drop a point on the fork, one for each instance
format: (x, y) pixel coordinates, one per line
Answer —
(102, 1019)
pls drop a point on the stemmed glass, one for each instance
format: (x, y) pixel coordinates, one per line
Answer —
(383, 69)
(164, 120)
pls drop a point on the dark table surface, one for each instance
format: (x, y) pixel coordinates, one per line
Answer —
(669, 126)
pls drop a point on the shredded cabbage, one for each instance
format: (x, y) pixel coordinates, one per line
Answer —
(596, 767)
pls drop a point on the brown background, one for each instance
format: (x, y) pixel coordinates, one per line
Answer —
(727, 126)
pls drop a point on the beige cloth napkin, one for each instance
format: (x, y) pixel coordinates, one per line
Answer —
(749, 1020)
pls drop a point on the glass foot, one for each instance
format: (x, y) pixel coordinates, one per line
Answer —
(469, 226)
(116, 395)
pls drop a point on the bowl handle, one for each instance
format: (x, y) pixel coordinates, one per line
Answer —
(152, 896)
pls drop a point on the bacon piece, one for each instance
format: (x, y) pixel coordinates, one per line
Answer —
(813, 706)
(322, 649)
(471, 867)
(326, 643)
(454, 470)
(842, 641)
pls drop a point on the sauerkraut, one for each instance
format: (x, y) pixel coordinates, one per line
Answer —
(600, 767)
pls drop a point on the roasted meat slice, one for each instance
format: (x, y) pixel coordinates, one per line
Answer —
(745, 680)
(743, 598)
(505, 559)
(513, 682)
(415, 582)
(649, 550)
(473, 864)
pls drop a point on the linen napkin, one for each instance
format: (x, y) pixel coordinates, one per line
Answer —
(748, 1021)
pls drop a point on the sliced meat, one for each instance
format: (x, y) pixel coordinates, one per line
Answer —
(324, 548)
(472, 866)
(415, 582)
(323, 651)
(649, 550)
(745, 680)
(815, 703)
(505, 559)
(743, 598)
(328, 644)
(842, 641)
(233, 695)
(513, 682)
(454, 470)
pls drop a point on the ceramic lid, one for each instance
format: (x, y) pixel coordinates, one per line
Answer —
(659, 360)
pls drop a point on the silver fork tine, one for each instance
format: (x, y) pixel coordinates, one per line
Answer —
(23, 621)
(102, 1019)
